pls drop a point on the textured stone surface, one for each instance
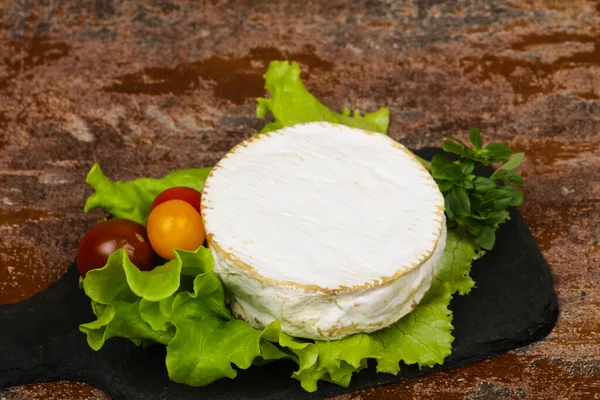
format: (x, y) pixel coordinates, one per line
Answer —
(147, 87)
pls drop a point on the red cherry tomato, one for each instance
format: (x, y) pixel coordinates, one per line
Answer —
(107, 237)
(189, 195)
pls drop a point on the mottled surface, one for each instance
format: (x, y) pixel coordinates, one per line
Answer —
(147, 87)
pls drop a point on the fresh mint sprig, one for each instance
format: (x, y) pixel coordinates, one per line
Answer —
(477, 204)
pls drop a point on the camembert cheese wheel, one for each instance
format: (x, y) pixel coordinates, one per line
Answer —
(328, 229)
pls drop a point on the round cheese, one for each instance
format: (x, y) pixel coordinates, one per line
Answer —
(328, 229)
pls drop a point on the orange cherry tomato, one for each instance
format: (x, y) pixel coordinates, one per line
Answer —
(187, 194)
(175, 224)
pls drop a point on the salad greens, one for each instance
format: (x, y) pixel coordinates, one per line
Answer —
(132, 200)
(181, 304)
(292, 104)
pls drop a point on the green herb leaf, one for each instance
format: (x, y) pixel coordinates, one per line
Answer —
(443, 168)
(458, 201)
(463, 198)
(444, 185)
(473, 227)
(483, 184)
(516, 196)
(498, 151)
(496, 218)
(502, 203)
(513, 177)
(513, 162)
(467, 166)
(475, 138)
(454, 145)
(486, 238)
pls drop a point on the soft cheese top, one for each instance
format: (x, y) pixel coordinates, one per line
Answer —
(323, 205)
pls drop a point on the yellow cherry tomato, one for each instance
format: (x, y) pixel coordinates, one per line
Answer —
(175, 224)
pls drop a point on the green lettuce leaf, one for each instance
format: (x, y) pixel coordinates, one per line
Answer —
(132, 200)
(136, 304)
(422, 337)
(456, 262)
(208, 339)
(338, 360)
(290, 103)
(158, 314)
(203, 339)
(121, 319)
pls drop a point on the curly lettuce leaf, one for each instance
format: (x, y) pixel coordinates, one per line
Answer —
(204, 341)
(136, 304)
(120, 279)
(456, 262)
(208, 339)
(338, 360)
(206, 345)
(422, 337)
(121, 319)
(290, 103)
(157, 314)
(132, 200)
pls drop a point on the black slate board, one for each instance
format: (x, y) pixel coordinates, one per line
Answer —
(514, 304)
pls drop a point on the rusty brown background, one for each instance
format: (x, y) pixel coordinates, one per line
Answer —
(144, 88)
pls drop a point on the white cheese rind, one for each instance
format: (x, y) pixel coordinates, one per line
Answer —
(328, 229)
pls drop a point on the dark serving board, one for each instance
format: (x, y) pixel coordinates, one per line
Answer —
(514, 304)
